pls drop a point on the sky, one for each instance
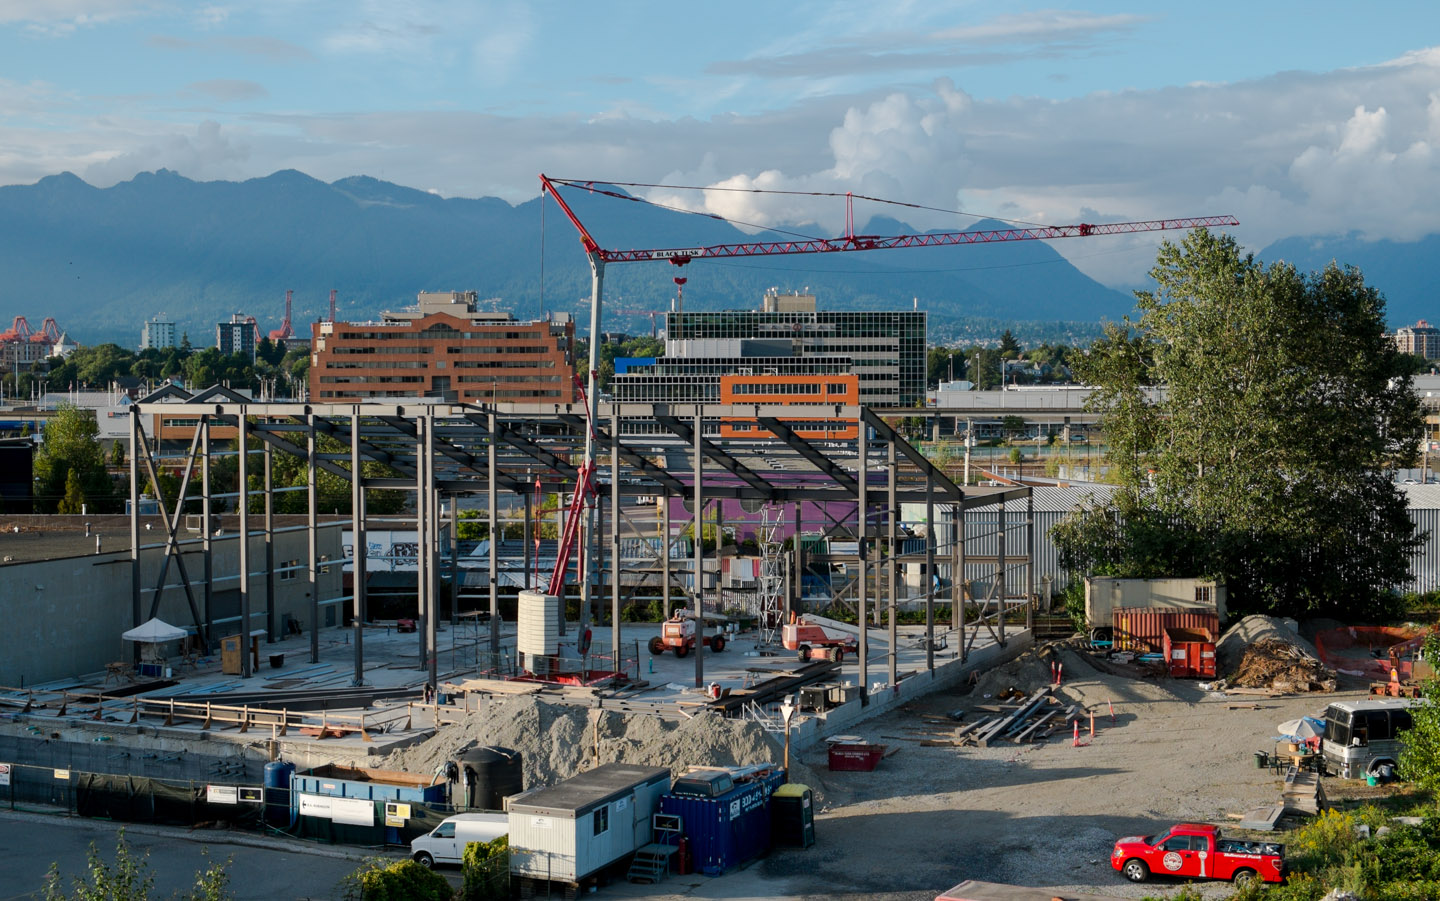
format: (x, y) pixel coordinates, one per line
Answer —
(1299, 118)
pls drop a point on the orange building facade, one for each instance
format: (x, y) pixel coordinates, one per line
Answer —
(445, 350)
(792, 390)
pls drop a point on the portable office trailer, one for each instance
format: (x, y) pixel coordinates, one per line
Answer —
(570, 832)
(1105, 597)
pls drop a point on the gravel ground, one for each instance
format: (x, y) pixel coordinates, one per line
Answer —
(1041, 815)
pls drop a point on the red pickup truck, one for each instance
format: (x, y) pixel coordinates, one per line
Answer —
(1199, 852)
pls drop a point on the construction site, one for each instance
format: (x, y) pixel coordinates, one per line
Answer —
(782, 611)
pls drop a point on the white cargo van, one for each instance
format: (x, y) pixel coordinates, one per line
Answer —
(446, 842)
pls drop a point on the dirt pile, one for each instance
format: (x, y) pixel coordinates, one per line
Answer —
(557, 741)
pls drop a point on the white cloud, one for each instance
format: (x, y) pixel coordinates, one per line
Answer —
(58, 18)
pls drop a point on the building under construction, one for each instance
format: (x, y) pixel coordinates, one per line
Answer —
(840, 505)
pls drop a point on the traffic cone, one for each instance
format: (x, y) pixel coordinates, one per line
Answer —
(1092, 725)
(1112, 710)
(1077, 735)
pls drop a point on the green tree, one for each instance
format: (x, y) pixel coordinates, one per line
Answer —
(1420, 751)
(1009, 347)
(130, 879)
(378, 880)
(1263, 462)
(74, 499)
(117, 454)
(71, 444)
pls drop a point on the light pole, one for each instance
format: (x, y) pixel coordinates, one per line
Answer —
(787, 710)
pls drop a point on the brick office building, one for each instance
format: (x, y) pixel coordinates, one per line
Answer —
(444, 348)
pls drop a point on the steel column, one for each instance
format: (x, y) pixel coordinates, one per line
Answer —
(423, 559)
(931, 580)
(698, 521)
(358, 562)
(207, 532)
(312, 545)
(493, 501)
(615, 535)
(892, 516)
(270, 627)
(243, 499)
(862, 474)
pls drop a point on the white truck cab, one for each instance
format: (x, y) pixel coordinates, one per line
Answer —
(445, 844)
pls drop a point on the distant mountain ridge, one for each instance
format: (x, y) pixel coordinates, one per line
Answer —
(102, 261)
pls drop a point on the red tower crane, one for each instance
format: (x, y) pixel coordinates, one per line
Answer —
(284, 332)
(680, 256)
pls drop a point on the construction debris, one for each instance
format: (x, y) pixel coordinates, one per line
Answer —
(1282, 667)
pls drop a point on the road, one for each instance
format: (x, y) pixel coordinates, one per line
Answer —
(259, 869)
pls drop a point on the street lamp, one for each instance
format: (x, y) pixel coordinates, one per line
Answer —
(787, 710)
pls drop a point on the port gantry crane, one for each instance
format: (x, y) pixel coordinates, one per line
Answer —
(680, 256)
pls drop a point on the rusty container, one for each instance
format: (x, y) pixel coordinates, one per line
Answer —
(1142, 629)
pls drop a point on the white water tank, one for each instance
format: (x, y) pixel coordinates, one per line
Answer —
(538, 624)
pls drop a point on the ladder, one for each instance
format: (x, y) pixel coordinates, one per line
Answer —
(651, 862)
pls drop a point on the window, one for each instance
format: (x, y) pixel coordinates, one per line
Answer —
(287, 570)
(1182, 843)
(445, 830)
(602, 819)
(1202, 594)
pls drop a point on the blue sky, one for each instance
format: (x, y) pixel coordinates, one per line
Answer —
(1299, 118)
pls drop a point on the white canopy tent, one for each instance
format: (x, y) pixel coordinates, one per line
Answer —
(154, 632)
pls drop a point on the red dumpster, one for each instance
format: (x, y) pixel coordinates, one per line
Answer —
(1190, 653)
(855, 758)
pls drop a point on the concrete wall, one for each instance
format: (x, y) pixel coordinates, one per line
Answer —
(812, 732)
(64, 617)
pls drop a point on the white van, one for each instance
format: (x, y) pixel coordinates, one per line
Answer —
(446, 842)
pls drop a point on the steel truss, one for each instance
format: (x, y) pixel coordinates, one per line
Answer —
(439, 451)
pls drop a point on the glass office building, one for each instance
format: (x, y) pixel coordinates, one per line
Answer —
(885, 350)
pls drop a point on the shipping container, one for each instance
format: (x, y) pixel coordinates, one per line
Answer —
(1142, 629)
(1190, 653)
(571, 832)
(724, 830)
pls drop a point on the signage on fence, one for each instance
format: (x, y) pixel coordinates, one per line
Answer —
(354, 811)
(222, 794)
(4, 774)
(252, 794)
(397, 809)
(62, 774)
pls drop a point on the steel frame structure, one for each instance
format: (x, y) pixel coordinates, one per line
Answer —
(441, 451)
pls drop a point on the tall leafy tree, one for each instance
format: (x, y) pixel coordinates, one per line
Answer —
(71, 445)
(1252, 413)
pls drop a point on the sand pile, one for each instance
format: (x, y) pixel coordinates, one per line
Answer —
(556, 741)
(1027, 672)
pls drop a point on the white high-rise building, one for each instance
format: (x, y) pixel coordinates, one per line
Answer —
(157, 334)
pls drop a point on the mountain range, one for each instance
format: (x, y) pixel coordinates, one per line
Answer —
(102, 261)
